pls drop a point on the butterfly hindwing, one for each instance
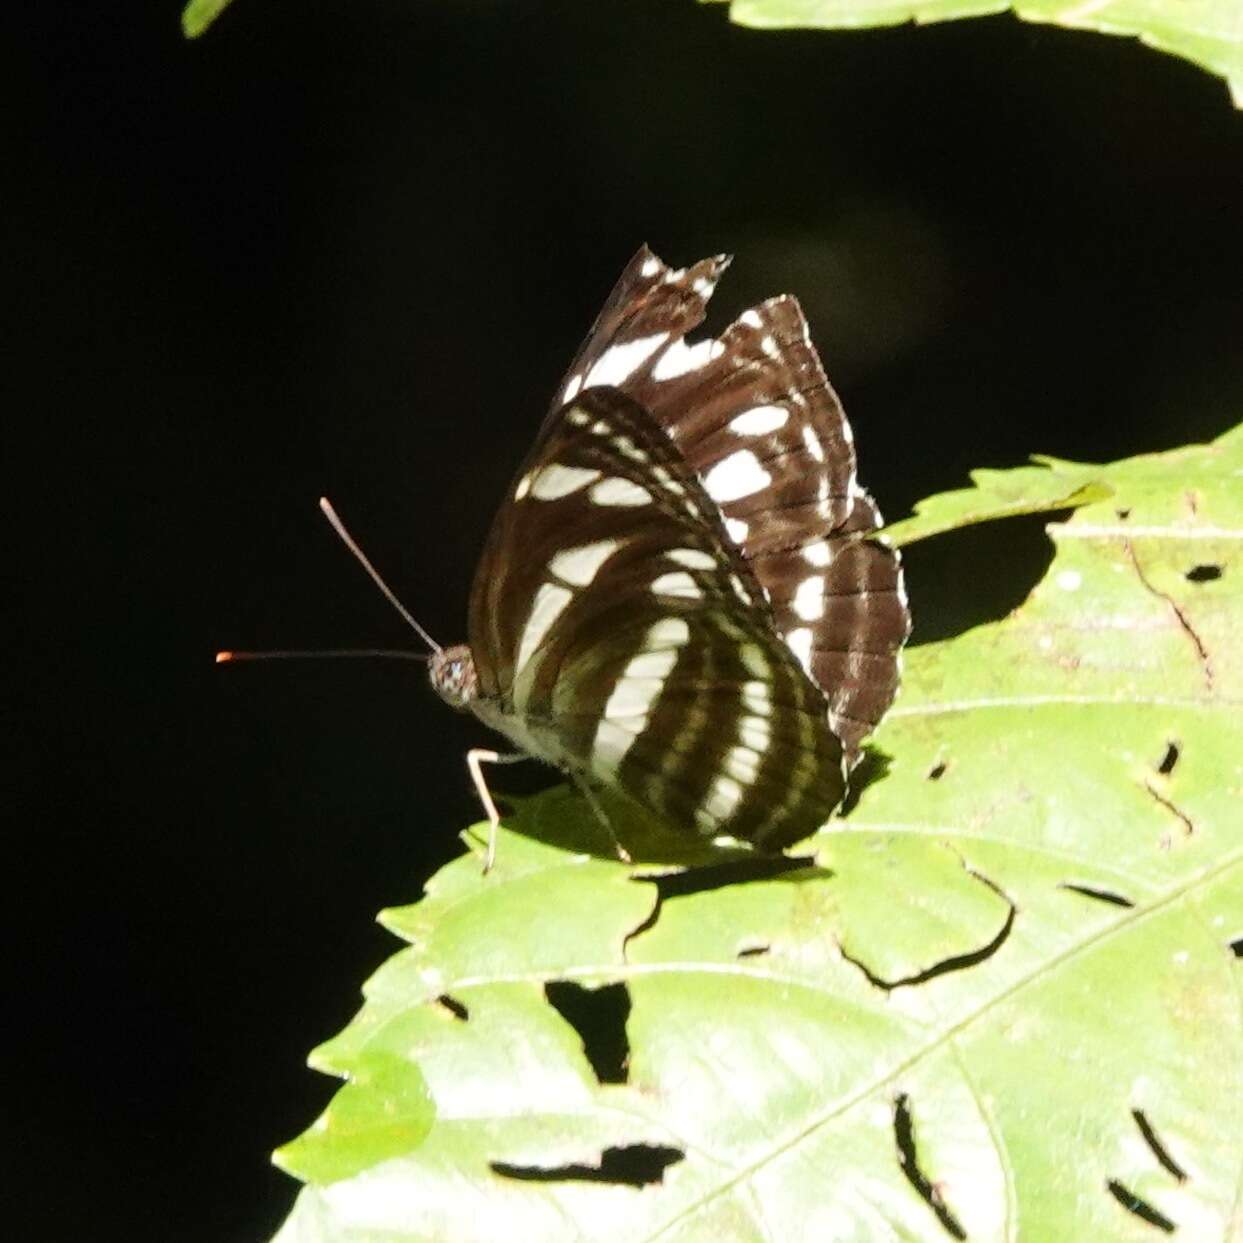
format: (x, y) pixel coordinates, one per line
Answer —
(625, 638)
(753, 415)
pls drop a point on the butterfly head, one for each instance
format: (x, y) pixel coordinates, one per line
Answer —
(452, 673)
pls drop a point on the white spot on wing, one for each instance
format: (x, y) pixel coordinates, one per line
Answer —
(652, 664)
(615, 491)
(619, 362)
(754, 660)
(651, 265)
(680, 358)
(524, 486)
(678, 583)
(554, 481)
(672, 630)
(572, 386)
(550, 602)
(692, 558)
(755, 732)
(818, 554)
(751, 319)
(742, 763)
(580, 565)
(759, 420)
(610, 744)
(737, 529)
(724, 796)
(809, 599)
(799, 642)
(757, 698)
(736, 476)
(636, 691)
(812, 441)
(627, 448)
(667, 481)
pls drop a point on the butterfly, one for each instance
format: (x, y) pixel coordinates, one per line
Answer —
(677, 602)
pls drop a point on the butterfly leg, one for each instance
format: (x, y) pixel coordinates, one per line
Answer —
(590, 795)
(475, 759)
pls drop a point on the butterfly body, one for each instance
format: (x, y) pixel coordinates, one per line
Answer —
(673, 602)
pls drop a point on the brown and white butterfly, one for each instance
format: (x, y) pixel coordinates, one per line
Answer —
(677, 601)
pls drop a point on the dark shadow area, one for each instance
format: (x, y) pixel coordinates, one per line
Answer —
(872, 766)
(599, 1017)
(1236, 947)
(978, 574)
(1139, 1207)
(1204, 573)
(636, 1165)
(739, 871)
(908, 1159)
(721, 876)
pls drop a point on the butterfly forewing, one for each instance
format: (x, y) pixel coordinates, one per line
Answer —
(755, 418)
(617, 632)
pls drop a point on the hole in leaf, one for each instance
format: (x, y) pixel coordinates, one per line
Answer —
(752, 951)
(908, 1159)
(1170, 758)
(453, 1007)
(1099, 895)
(1159, 1150)
(1203, 573)
(599, 1016)
(1123, 514)
(960, 962)
(1141, 1208)
(636, 1165)
(937, 771)
(1236, 947)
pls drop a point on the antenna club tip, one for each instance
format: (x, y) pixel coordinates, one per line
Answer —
(223, 658)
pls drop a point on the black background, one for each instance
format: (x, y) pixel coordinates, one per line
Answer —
(348, 248)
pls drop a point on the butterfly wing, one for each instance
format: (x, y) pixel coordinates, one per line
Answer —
(754, 416)
(617, 632)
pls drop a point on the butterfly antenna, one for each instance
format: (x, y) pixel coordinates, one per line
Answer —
(348, 540)
(383, 653)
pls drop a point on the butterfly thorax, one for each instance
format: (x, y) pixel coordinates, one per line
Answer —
(453, 677)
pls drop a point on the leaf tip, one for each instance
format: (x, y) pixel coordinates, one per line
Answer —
(199, 14)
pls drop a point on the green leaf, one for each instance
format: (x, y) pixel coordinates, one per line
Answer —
(199, 14)
(1207, 32)
(1002, 999)
(1001, 494)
